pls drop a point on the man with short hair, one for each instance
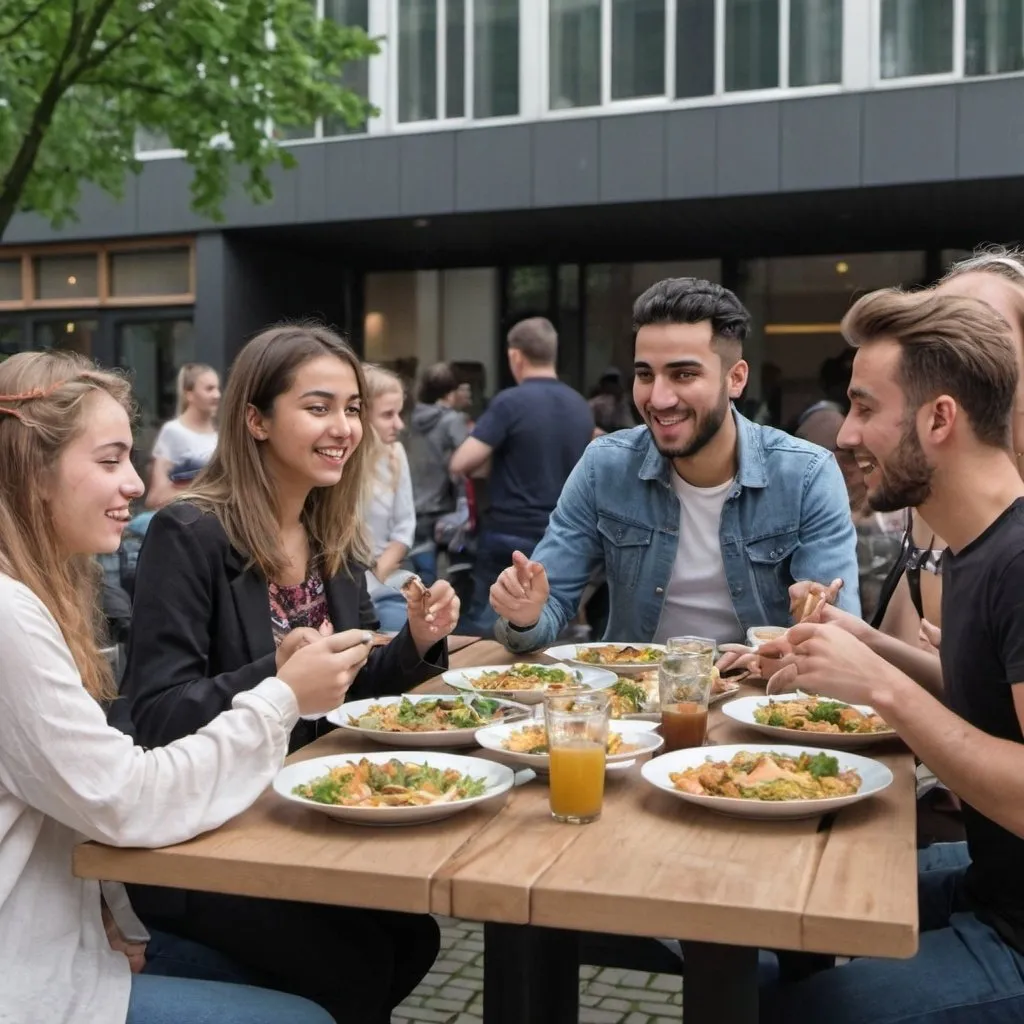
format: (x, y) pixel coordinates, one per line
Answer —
(436, 429)
(700, 518)
(530, 436)
(932, 393)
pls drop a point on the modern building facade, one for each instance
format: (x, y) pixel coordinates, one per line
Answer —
(557, 156)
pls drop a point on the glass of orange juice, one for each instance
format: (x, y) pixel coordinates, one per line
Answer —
(577, 729)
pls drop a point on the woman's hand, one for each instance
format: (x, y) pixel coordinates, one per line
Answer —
(298, 638)
(433, 614)
(135, 951)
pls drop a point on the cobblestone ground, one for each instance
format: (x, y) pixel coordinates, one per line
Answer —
(453, 991)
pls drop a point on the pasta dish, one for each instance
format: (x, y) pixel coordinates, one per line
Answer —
(442, 715)
(619, 654)
(533, 739)
(526, 677)
(814, 715)
(394, 784)
(769, 776)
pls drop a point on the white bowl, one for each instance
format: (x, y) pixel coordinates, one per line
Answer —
(587, 678)
(640, 735)
(437, 738)
(742, 711)
(570, 653)
(499, 780)
(874, 778)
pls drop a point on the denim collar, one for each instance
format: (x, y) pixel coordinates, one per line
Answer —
(750, 456)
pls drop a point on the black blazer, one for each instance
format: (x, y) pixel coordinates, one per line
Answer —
(201, 631)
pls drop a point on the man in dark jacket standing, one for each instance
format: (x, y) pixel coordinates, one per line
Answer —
(436, 430)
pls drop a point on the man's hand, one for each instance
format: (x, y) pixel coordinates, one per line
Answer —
(520, 593)
(826, 660)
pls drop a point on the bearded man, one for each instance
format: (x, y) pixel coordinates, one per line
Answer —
(700, 519)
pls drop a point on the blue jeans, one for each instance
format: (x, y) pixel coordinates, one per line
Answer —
(186, 983)
(392, 610)
(493, 557)
(425, 564)
(963, 972)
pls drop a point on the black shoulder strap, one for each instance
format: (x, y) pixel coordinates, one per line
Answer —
(892, 580)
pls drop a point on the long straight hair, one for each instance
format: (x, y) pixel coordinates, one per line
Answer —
(381, 382)
(44, 402)
(235, 485)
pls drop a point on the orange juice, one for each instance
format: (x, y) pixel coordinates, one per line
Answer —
(577, 780)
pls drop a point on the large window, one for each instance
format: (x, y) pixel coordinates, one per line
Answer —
(602, 51)
(950, 37)
(71, 335)
(10, 280)
(435, 78)
(154, 350)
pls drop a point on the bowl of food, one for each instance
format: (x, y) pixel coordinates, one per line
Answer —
(528, 683)
(526, 743)
(778, 781)
(425, 720)
(622, 659)
(798, 718)
(392, 788)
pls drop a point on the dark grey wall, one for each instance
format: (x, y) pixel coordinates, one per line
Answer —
(885, 137)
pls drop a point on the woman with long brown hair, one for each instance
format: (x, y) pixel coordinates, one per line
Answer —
(265, 554)
(65, 492)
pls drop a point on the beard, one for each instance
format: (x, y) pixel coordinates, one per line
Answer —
(707, 426)
(906, 476)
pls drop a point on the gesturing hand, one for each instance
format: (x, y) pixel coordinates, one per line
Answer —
(433, 613)
(520, 593)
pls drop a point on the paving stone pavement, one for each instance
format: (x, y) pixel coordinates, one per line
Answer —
(452, 993)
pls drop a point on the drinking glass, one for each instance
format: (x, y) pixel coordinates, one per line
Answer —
(577, 729)
(684, 679)
(695, 644)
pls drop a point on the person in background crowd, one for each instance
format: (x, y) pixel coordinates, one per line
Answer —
(527, 442)
(267, 553)
(878, 533)
(73, 949)
(933, 390)
(436, 430)
(609, 403)
(701, 518)
(390, 512)
(188, 440)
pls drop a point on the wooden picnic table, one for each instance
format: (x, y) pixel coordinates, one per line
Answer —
(651, 866)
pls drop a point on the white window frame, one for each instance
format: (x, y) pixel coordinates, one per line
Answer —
(956, 74)
(719, 97)
(466, 120)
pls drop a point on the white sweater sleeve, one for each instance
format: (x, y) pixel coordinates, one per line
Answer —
(59, 755)
(403, 518)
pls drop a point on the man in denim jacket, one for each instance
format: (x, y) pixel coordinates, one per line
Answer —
(701, 519)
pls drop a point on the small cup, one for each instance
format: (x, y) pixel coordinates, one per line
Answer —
(758, 635)
(577, 730)
(684, 682)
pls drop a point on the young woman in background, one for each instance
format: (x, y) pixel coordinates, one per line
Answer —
(390, 510)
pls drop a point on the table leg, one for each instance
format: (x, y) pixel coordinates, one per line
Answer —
(531, 975)
(719, 984)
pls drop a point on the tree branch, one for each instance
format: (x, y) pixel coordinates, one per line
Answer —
(19, 25)
(120, 86)
(99, 56)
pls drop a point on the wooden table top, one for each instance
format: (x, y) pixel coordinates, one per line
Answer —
(652, 865)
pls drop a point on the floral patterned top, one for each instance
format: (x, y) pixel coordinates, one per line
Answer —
(304, 604)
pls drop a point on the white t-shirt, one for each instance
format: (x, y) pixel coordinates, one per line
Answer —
(697, 599)
(176, 442)
(65, 775)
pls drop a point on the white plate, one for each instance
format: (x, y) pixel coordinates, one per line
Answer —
(640, 735)
(874, 778)
(499, 779)
(742, 711)
(587, 678)
(570, 653)
(437, 738)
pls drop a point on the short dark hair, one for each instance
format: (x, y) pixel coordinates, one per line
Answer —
(436, 382)
(691, 300)
(949, 345)
(537, 339)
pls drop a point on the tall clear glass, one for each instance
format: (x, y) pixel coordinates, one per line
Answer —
(684, 680)
(577, 729)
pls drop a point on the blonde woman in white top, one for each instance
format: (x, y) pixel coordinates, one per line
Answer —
(390, 511)
(65, 774)
(187, 442)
